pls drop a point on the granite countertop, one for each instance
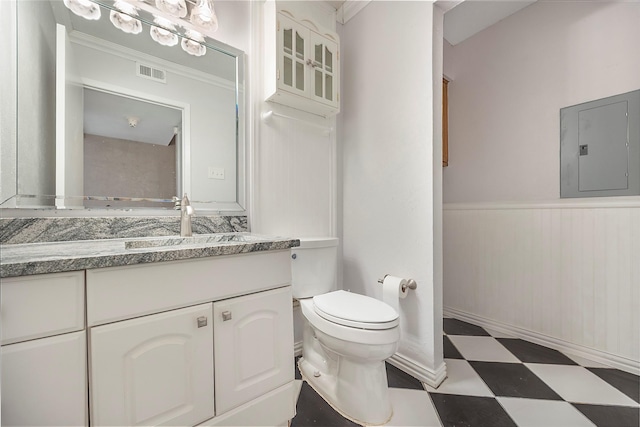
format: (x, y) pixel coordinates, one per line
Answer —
(38, 258)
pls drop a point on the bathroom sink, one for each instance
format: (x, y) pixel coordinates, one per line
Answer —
(196, 240)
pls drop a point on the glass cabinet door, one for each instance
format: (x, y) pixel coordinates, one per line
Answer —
(325, 68)
(292, 56)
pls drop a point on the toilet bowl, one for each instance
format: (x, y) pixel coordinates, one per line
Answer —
(346, 337)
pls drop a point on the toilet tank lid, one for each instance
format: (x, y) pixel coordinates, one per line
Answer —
(318, 242)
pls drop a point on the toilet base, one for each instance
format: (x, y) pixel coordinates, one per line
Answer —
(359, 392)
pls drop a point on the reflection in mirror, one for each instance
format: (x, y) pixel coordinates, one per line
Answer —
(130, 149)
(87, 92)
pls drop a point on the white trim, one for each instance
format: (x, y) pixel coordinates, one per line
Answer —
(622, 363)
(586, 203)
(349, 9)
(297, 348)
(431, 377)
(86, 40)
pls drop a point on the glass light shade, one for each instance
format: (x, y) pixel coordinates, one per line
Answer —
(162, 32)
(192, 43)
(85, 8)
(204, 16)
(173, 7)
(124, 21)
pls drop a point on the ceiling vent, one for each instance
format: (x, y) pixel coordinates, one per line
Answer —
(152, 73)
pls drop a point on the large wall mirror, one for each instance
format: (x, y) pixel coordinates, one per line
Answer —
(106, 119)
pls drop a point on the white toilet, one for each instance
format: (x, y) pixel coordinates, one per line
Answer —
(347, 336)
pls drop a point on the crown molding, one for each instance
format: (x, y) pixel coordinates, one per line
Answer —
(349, 9)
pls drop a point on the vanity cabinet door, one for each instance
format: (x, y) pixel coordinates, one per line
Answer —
(153, 370)
(253, 346)
(44, 382)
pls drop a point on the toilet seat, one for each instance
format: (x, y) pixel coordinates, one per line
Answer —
(355, 311)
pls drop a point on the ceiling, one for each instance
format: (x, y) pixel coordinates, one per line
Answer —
(463, 19)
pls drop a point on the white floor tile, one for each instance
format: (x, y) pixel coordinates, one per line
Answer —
(461, 379)
(548, 413)
(412, 408)
(576, 384)
(585, 362)
(485, 349)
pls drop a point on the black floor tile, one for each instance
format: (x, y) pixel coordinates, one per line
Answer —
(473, 411)
(458, 327)
(610, 416)
(400, 379)
(513, 380)
(627, 383)
(312, 410)
(529, 352)
(450, 350)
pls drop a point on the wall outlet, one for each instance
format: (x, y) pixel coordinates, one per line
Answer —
(215, 173)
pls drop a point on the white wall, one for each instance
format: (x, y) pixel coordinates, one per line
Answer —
(390, 138)
(37, 102)
(8, 96)
(509, 83)
(559, 272)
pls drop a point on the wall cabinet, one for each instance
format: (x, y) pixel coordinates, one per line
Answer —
(305, 74)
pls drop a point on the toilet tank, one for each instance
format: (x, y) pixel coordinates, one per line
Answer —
(313, 266)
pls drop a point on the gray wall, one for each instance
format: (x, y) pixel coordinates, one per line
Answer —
(117, 167)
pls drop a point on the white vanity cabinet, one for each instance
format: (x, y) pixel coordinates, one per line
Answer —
(44, 354)
(253, 346)
(305, 74)
(200, 341)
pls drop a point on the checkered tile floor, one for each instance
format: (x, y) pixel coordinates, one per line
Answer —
(494, 380)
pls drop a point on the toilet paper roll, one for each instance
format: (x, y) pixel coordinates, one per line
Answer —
(392, 291)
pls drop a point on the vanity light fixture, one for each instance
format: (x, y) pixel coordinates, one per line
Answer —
(192, 43)
(167, 17)
(176, 8)
(163, 32)
(203, 15)
(125, 19)
(85, 8)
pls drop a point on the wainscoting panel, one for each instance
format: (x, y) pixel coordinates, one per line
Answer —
(565, 272)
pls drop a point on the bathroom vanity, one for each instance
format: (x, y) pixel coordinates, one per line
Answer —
(183, 341)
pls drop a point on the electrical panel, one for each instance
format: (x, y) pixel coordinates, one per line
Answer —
(600, 147)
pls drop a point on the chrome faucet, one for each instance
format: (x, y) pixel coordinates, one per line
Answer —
(186, 212)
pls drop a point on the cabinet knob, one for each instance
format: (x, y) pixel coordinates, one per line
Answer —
(202, 322)
(226, 315)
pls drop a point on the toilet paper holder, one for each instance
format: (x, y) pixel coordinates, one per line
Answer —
(411, 284)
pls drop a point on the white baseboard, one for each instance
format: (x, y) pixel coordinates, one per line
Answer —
(612, 360)
(428, 376)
